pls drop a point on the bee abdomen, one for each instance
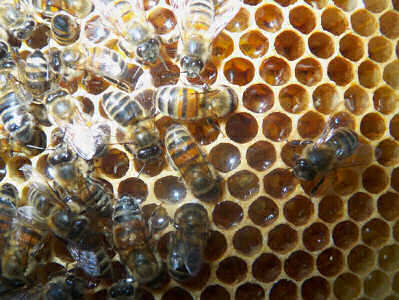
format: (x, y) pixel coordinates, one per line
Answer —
(37, 73)
(122, 109)
(344, 141)
(15, 117)
(64, 29)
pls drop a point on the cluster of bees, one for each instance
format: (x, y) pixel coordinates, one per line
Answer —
(69, 200)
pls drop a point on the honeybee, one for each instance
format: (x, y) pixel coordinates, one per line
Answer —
(77, 8)
(64, 29)
(65, 167)
(187, 243)
(8, 210)
(200, 21)
(130, 114)
(131, 236)
(100, 60)
(56, 214)
(37, 74)
(16, 16)
(88, 139)
(127, 19)
(185, 155)
(18, 122)
(59, 288)
(189, 104)
(90, 254)
(25, 239)
(320, 158)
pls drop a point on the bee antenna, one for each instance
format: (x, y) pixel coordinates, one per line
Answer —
(141, 171)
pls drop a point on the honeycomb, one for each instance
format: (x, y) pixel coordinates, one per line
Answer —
(297, 66)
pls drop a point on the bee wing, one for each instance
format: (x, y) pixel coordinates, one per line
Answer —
(28, 214)
(225, 12)
(179, 7)
(193, 259)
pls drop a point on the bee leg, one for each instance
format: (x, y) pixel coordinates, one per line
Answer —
(215, 126)
(316, 187)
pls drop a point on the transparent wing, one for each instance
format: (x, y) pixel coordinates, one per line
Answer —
(179, 7)
(193, 259)
(225, 11)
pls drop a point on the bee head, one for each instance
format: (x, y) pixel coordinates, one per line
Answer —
(148, 51)
(61, 155)
(304, 169)
(149, 153)
(192, 66)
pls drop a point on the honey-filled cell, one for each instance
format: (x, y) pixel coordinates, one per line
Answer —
(253, 44)
(277, 126)
(293, 98)
(241, 127)
(389, 24)
(115, 163)
(239, 71)
(231, 270)
(325, 98)
(316, 287)
(351, 47)
(386, 153)
(321, 45)
(247, 240)
(289, 44)
(361, 259)
(275, 71)
(269, 18)
(330, 262)
(261, 155)
(345, 234)
(299, 265)
(279, 183)
(316, 236)
(266, 267)
(388, 258)
(388, 206)
(380, 49)
(263, 211)
(340, 71)
(308, 71)
(282, 238)
(385, 100)
(216, 246)
(215, 292)
(356, 99)
(363, 22)
(376, 284)
(310, 125)
(240, 22)
(250, 291)
(222, 47)
(347, 286)
(390, 74)
(374, 179)
(298, 210)
(302, 19)
(375, 232)
(360, 206)
(334, 21)
(284, 289)
(369, 74)
(225, 157)
(170, 189)
(243, 185)
(258, 98)
(227, 214)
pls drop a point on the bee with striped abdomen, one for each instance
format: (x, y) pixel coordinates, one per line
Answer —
(16, 16)
(64, 29)
(76, 8)
(130, 114)
(187, 243)
(8, 210)
(18, 122)
(25, 239)
(131, 238)
(67, 171)
(88, 139)
(127, 19)
(200, 21)
(185, 155)
(321, 157)
(190, 104)
(37, 74)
